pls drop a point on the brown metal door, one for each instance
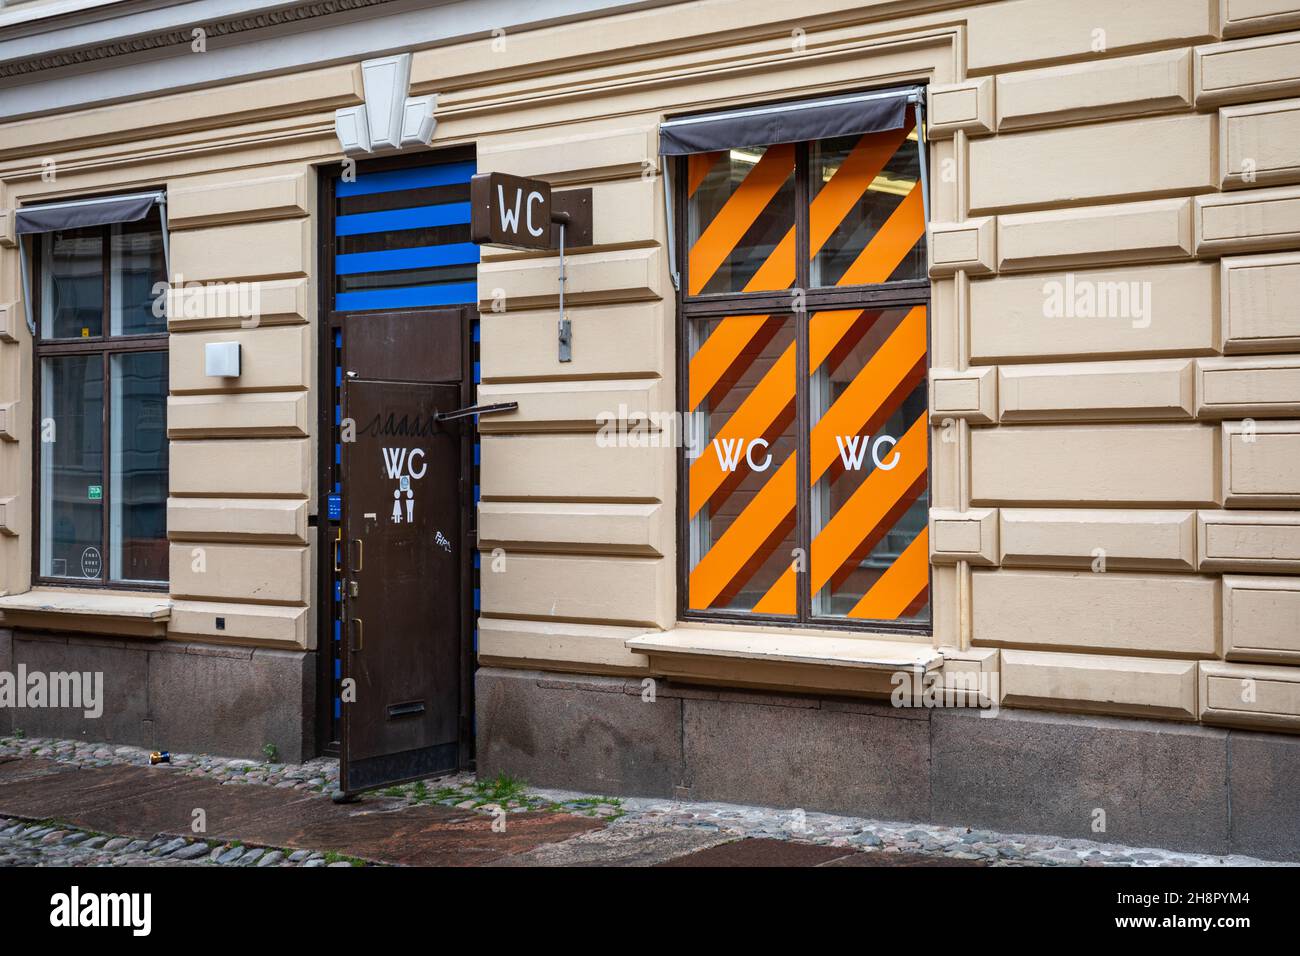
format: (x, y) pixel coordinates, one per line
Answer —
(402, 587)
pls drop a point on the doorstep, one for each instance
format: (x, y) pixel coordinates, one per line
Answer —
(139, 614)
(802, 661)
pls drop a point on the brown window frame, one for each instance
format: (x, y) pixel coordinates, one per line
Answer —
(691, 309)
(105, 346)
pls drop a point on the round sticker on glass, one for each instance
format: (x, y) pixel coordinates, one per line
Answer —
(91, 563)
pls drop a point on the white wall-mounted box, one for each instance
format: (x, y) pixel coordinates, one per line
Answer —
(221, 359)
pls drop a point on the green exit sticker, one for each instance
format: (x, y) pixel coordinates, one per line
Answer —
(95, 492)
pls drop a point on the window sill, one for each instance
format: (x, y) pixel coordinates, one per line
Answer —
(783, 660)
(119, 613)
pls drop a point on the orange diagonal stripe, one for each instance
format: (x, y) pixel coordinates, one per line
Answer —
(740, 211)
(719, 352)
(744, 537)
(900, 585)
(887, 247)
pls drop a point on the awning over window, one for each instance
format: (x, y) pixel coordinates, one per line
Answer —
(86, 212)
(795, 122)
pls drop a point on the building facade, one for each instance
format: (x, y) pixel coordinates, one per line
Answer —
(929, 362)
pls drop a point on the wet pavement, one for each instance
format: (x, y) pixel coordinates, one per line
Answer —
(70, 803)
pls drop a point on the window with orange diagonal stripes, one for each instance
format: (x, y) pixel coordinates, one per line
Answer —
(804, 318)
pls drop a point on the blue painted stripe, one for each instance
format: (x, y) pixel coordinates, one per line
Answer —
(338, 630)
(477, 453)
(338, 709)
(417, 257)
(338, 669)
(477, 372)
(452, 293)
(474, 326)
(476, 599)
(445, 174)
(338, 339)
(417, 217)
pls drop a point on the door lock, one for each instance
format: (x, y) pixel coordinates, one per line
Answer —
(353, 590)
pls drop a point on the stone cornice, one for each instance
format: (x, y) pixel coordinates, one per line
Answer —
(183, 36)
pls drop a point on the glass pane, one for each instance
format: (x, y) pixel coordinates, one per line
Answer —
(137, 264)
(72, 466)
(741, 483)
(72, 284)
(138, 517)
(868, 453)
(867, 218)
(740, 220)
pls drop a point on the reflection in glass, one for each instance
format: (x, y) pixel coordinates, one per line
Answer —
(72, 466)
(72, 284)
(137, 263)
(138, 513)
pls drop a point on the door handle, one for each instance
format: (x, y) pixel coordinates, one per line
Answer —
(358, 634)
(469, 410)
(359, 551)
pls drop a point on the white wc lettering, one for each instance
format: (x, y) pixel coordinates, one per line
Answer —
(730, 451)
(534, 198)
(853, 451)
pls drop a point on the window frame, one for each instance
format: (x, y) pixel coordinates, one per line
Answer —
(692, 309)
(105, 345)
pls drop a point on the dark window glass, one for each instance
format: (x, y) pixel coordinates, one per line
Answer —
(137, 266)
(137, 539)
(102, 402)
(72, 284)
(72, 466)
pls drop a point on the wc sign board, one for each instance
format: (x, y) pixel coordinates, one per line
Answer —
(510, 211)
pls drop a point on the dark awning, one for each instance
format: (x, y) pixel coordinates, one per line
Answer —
(795, 122)
(86, 212)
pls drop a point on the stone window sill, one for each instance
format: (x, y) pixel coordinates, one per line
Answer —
(786, 660)
(117, 613)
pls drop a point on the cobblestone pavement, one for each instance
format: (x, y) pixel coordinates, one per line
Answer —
(637, 830)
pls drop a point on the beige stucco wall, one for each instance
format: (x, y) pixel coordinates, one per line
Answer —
(1154, 143)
